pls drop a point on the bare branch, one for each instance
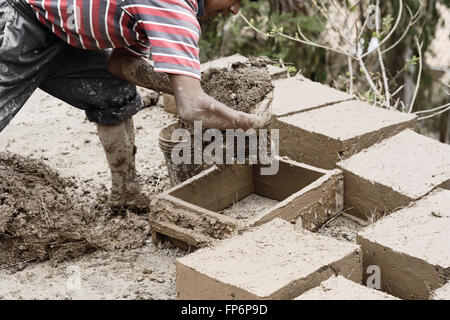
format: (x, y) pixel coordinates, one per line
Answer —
(364, 26)
(350, 71)
(392, 30)
(279, 34)
(432, 110)
(398, 90)
(355, 4)
(419, 75)
(413, 21)
(333, 24)
(435, 114)
(387, 100)
(367, 75)
(312, 43)
(338, 9)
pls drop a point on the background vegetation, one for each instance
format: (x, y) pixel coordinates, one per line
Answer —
(222, 37)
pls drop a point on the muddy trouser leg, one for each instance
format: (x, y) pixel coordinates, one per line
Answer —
(32, 56)
(120, 150)
(28, 54)
(110, 102)
(118, 143)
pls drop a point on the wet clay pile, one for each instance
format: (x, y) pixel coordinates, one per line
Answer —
(43, 216)
(240, 87)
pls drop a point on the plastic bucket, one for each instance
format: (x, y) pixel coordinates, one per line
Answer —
(177, 172)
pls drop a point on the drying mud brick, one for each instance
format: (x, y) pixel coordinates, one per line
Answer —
(299, 94)
(394, 172)
(273, 261)
(340, 288)
(411, 247)
(226, 62)
(324, 136)
(308, 196)
(442, 293)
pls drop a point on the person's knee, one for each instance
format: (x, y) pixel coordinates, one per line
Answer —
(115, 109)
(115, 95)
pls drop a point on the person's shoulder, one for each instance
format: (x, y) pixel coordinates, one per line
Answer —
(191, 4)
(143, 9)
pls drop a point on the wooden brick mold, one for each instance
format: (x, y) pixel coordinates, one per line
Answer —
(393, 173)
(411, 247)
(190, 214)
(324, 136)
(274, 261)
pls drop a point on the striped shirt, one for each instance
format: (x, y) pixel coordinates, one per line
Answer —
(166, 29)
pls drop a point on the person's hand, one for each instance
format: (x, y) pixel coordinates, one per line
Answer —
(263, 112)
(194, 104)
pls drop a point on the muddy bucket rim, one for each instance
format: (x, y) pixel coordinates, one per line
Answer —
(167, 142)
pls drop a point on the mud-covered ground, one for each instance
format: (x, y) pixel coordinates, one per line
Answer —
(44, 216)
(341, 228)
(249, 207)
(59, 136)
(77, 175)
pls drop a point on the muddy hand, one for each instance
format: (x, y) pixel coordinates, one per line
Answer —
(263, 111)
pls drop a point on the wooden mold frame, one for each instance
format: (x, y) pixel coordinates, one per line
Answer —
(188, 214)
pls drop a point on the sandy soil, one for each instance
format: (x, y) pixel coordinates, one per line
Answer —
(143, 273)
(341, 228)
(60, 136)
(249, 207)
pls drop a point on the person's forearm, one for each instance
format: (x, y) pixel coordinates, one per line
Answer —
(192, 103)
(214, 114)
(138, 70)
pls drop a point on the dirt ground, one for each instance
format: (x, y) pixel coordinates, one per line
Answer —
(341, 228)
(249, 207)
(63, 139)
(60, 136)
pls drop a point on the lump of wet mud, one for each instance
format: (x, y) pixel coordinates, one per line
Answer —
(43, 216)
(240, 87)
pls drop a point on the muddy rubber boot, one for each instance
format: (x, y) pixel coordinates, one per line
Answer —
(118, 143)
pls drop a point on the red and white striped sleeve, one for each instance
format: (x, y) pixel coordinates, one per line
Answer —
(173, 32)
